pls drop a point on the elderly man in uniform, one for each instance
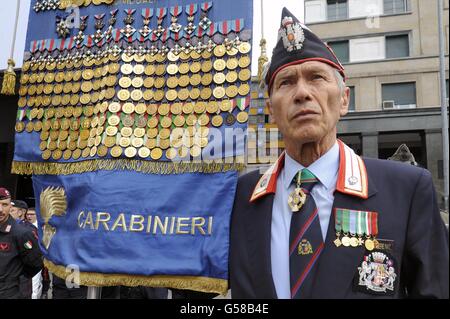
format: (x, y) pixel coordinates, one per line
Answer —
(323, 222)
(19, 251)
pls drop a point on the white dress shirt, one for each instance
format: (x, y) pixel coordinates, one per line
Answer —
(326, 170)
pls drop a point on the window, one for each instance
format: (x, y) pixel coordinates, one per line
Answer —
(315, 11)
(365, 8)
(395, 6)
(403, 94)
(397, 46)
(337, 9)
(366, 49)
(341, 50)
(352, 106)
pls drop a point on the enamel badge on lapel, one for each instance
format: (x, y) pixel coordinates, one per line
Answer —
(376, 274)
(292, 34)
(304, 247)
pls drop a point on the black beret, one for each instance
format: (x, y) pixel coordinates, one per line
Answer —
(297, 44)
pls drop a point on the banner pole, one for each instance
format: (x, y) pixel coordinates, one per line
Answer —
(94, 293)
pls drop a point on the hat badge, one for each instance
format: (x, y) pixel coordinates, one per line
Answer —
(292, 34)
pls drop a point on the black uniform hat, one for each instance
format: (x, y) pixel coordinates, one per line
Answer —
(20, 204)
(297, 44)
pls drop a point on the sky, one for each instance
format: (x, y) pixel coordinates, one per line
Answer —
(271, 22)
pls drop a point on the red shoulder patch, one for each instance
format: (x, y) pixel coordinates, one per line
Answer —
(4, 247)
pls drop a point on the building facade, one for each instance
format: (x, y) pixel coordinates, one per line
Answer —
(390, 51)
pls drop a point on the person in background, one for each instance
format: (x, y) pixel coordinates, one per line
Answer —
(18, 209)
(19, 251)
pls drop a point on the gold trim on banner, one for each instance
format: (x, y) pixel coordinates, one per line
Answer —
(202, 284)
(33, 168)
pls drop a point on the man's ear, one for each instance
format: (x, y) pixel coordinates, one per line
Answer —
(345, 99)
(270, 108)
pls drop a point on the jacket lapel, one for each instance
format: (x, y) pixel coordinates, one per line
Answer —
(258, 226)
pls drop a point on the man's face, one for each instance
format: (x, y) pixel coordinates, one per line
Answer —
(5, 207)
(31, 216)
(306, 102)
(14, 212)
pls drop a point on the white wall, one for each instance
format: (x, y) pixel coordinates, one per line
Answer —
(272, 20)
(7, 22)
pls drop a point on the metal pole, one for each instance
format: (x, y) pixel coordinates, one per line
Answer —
(262, 20)
(443, 101)
(94, 293)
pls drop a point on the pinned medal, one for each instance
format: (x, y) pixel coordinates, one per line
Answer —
(296, 199)
(354, 225)
(191, 10)
(205, 22)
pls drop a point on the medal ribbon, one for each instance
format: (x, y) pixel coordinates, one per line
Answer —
(43, 45)
(99, 16)
(70, 43)
(62, 45)
(118, 35)
(374, 223)
(164, 36)
(162, 13)
(352, 222)
(176, 11)
(369, 225)
(199, 32)
(51, 45)
(191, 9)
(114, 12)
(89, 41)
(206, 6)
(129, 11)
(147, 13)
(212, 29)
(236, 25)
(359, 228)
(224, 27)
(345, 220)
(338, 220)
(20, 114)
(34, 46)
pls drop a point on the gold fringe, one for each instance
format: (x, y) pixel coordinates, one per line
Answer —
(45, 168)
(202, 284)
(9, 79)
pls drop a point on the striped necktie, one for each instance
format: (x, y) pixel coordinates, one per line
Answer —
(305, 239)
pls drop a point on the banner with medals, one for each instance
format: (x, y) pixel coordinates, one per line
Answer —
(132, 121)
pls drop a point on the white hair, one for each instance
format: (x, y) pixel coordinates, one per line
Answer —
(340, 80)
